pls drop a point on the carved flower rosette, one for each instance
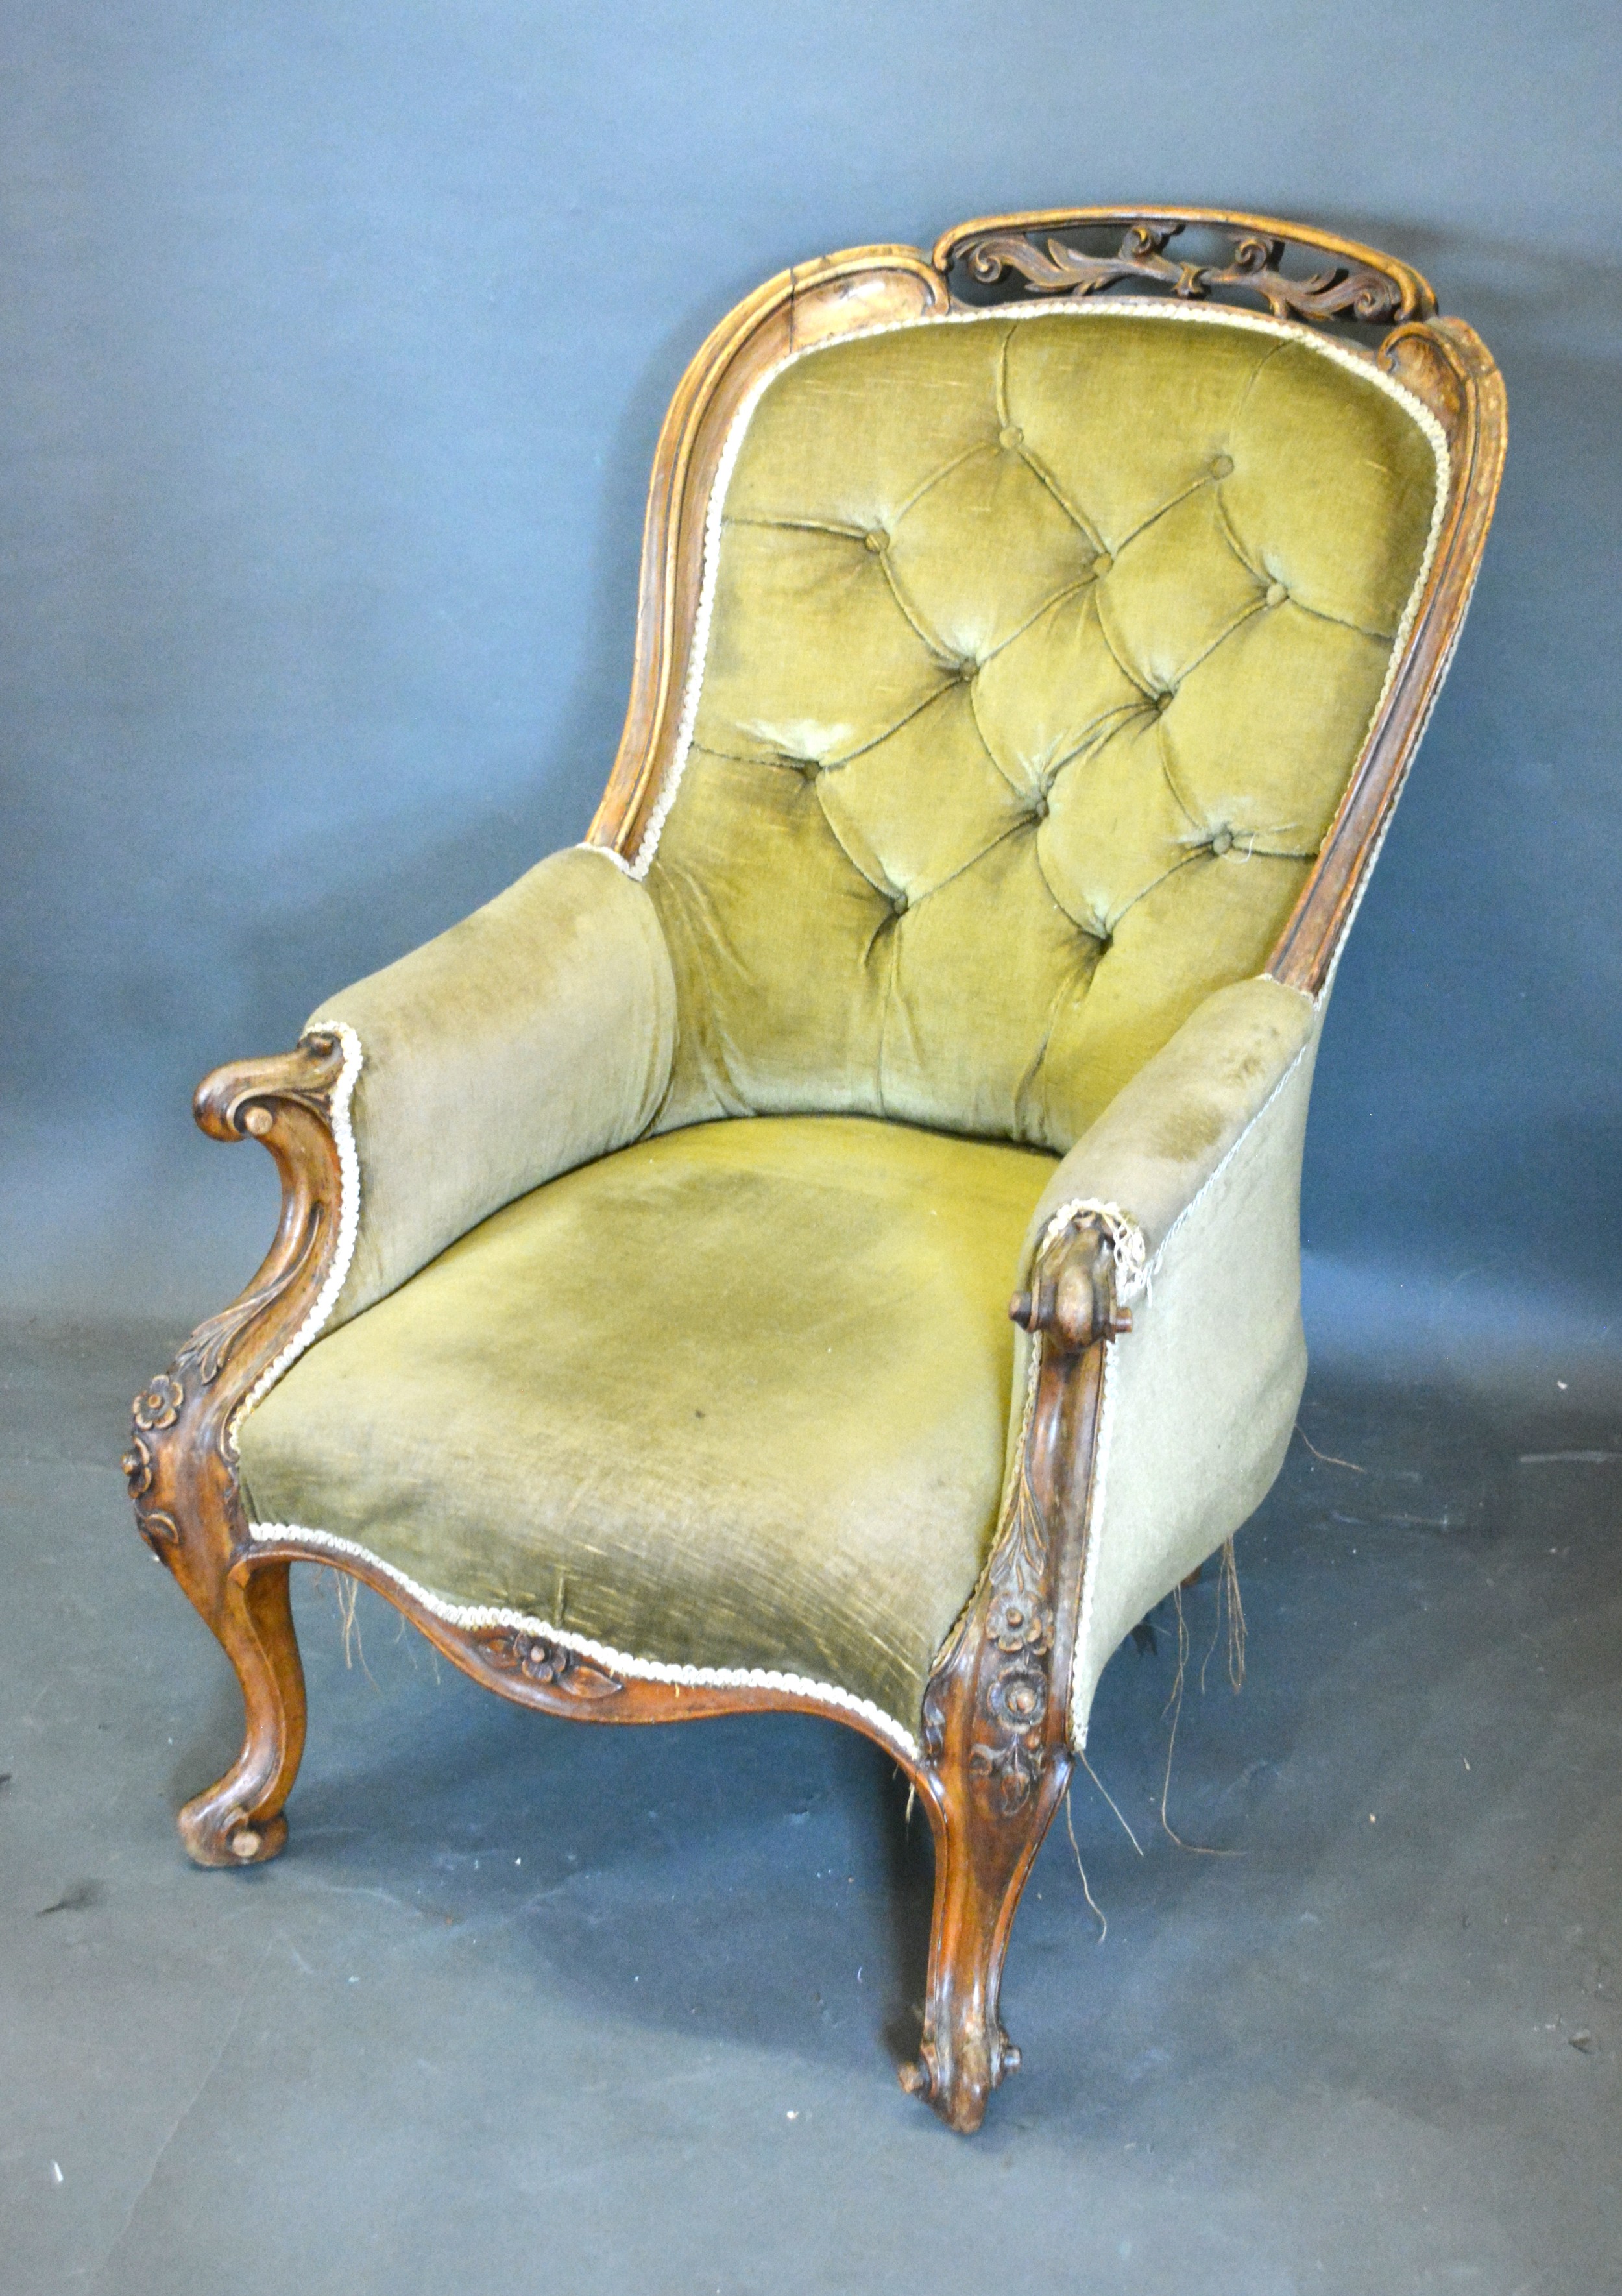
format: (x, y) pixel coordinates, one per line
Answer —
(549, 1665)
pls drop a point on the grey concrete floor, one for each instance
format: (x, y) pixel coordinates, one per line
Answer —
(527, 2007)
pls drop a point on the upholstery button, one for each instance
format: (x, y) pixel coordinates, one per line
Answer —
(1222, 842)
(878, 539)
(1276, 594)
(1012, 437)
(1222, 466)
(1102, 563)
(1162, 702)
(897, 904)
(1038, 811)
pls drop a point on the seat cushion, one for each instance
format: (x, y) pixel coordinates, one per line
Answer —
(736, 1397)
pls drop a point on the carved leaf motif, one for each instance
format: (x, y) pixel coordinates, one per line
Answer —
(160, 1531)
(137, 1465)
(1008, 1748)
(552, 1664)
(211, 1343)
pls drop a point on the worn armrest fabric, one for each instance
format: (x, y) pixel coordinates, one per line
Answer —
(534, 1036)
(1202, 1151)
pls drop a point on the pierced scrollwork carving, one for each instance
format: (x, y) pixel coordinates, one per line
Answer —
(1049, 266)
(552, 1665)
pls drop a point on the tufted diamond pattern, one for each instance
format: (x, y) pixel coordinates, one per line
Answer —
(1040, 651)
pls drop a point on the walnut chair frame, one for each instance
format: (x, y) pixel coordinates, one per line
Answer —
(994, 1756)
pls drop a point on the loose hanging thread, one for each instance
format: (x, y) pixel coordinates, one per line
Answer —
(348, 1593)
(1099, 1914)
(1228, 1603)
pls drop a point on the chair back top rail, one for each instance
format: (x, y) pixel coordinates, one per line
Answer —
(1033, 255)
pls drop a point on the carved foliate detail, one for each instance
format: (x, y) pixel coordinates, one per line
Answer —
(1008, 1747)
(1049, 266)
(212, 1343)
(998, 1672)
(179, 1465)
(553, 1666)
(158, 1527)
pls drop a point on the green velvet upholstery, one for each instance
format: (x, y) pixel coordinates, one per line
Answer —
(732, 1398)
(533, 1035)
(1036, 653)
(1039, 654)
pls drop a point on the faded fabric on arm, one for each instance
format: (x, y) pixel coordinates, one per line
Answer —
(534, 1036)
(1202, 1150)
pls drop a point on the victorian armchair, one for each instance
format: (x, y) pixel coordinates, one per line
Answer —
(1033, 641)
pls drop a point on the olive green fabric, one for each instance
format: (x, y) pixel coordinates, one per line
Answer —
(1039, 653)
(531, 1037)
(734, 1397)
(1166, 1135)
(1165, 1132)
(1201, 1394)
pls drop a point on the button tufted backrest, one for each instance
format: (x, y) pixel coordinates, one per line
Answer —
(1038, 653)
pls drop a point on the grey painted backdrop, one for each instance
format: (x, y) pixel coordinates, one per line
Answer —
(335, 342)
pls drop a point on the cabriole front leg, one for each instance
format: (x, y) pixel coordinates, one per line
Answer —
(984, 1842)
(181, 1462)
(996, 1756)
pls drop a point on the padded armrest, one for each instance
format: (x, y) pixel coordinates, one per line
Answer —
(1202, 1150)
(533, 1037)
(1166, 1130)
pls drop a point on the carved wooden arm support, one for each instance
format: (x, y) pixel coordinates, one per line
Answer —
(182, 1460)
(1016, 1631)
(181, 1463)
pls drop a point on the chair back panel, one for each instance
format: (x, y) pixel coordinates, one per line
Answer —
(1038, 653)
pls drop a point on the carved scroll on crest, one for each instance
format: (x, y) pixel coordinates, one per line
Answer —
(1346, 288)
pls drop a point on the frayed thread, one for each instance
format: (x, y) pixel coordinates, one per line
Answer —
(345, 1592)
(1109, 1798)
(1230, 1613)
(1174, 1707)
(1102, 1918)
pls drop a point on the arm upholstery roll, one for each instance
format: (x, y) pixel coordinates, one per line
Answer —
(1202, 1149)
(536, 1035)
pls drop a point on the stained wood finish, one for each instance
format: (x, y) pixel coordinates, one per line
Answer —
(181, 1463)
(993, 1757)
(1358, 284)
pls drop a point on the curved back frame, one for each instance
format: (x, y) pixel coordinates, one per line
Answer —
(1442, 361)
